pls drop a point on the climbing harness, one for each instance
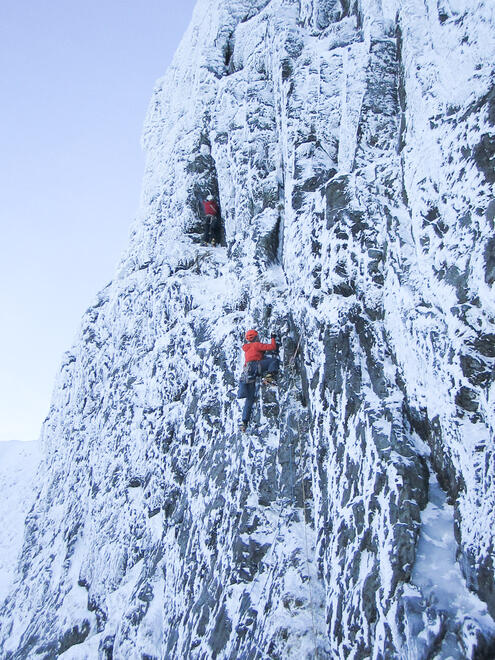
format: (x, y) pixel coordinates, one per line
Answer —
(250, 372)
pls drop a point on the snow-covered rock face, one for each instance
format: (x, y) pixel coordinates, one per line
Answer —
(18, 463)
(351, 146)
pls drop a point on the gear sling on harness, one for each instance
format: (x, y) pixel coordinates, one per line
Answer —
(249, 374)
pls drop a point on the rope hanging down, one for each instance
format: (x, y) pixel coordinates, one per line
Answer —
(304, 503)
(311, 603)
(278, 524)
(293, 358)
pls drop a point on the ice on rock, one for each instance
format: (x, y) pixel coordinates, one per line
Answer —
(350, 146)
(18, 464)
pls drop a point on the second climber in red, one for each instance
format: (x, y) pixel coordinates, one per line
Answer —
(210, 208)
(256, 364)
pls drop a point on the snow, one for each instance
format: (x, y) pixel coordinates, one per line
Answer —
(18, 464)
(342, 150)
(436, 570)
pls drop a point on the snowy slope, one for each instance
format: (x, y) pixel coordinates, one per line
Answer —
(351, 146)
(18, 464)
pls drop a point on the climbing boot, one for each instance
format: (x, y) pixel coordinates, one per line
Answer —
(269, 379)
(213, 242)
(243, 427)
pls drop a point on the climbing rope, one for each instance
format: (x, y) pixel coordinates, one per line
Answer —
(311, 603)
(302, 471)
(280, 518)
(268, 558)
(292, 383)
(293, 358)
(291, 474)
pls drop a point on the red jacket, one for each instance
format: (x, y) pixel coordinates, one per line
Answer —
(211, 208)
(255, 349)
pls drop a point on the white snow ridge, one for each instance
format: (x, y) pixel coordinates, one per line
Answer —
(351, 146)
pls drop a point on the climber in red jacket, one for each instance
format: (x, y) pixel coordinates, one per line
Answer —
(256, 364)
(211, 224)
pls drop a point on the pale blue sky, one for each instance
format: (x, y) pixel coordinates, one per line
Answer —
(76, 79)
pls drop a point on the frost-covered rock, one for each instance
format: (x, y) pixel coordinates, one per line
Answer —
(351, 147)
(18, 464)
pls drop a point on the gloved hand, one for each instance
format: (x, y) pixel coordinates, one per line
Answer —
(274, 335)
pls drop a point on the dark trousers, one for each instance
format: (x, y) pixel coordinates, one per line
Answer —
(211, 225)
(265, 366)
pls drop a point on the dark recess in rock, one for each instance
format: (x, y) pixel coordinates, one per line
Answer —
(338, 197)
(105, 650)
(467, 399)
(480, 578)
(221, 633)
(451, 482)
(490, 100)
(490, 213)
(135, 482)
(172, 641)
(228, 51)
(484, 156)
(477, 372)
(267, 245)
(431, 215)
(344, 289)
(466, 220)
(485, 344)
(204, 181)
(287, 69)
(75, 635)
(370, 588)
(489, 256)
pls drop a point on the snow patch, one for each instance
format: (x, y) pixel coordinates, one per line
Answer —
(18, 464)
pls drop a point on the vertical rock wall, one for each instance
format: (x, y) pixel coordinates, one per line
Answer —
(351, 147)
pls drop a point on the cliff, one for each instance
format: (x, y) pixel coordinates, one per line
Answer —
(351, 146)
